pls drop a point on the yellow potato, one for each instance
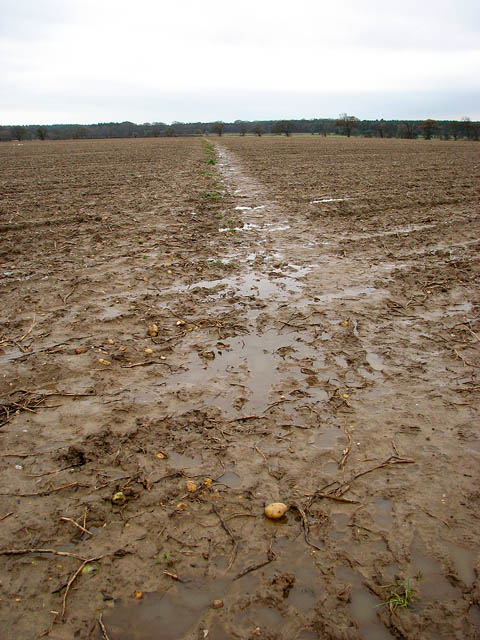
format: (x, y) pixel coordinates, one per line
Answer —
(153, 330)
(275, 510)
(119, 498)
(191, 486)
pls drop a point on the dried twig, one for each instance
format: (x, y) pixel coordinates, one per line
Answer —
(102, 627)
(146, 363)
(306, 527)
(29, 331)
(265, 458)
(77, 525)
(346, 451)
(50, 473)
(330, 496)
(65, 298)
(42, 493)
(20, 552)
(72, 580)
(229, 532)
(271, 556)
(10, 513)
(173, 576)
(244, 418)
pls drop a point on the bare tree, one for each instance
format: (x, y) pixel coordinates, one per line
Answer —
(217, 127)
(347, 123)
(19, 133)
(258, 130)
(283, 126)
(428, 127)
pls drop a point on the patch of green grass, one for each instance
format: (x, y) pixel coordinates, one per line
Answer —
(400, 596)
(212, 195)
(164, 558)
(210, 151)
(221, 264)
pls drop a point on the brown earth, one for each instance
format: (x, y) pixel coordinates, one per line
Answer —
(317, 305)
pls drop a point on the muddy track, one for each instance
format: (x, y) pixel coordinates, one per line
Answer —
(316, 343)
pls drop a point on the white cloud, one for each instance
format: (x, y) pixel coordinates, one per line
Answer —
(53, 50)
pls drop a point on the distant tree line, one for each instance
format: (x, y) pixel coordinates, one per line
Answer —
(344, 125)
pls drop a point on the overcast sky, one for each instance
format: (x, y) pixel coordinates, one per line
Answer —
(88, 61)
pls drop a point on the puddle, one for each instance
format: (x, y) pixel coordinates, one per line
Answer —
(327, 438)
(169, 615)
(383, 513)
(331, 468)
(474, 615)
(433, 585)
(364, 607)
(464, 561)
(184, 610)
(340, 523)
(231, 479)
(250, 361)
(341, 362)
(259, 616)
(374, 361)
(11, 354)
(353, 292)
(466, 307)
(280, 227)
(328, 200)
(252, 284)
(411, 228)
(181, 461)
(245, 208)
(249, 226)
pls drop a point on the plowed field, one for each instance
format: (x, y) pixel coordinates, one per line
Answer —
(182, 343)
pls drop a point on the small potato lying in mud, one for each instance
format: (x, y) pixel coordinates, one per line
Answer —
(119, 498)
(104, 362)
(191, 486)
(153, 330)
(276, 510)
(148, 351)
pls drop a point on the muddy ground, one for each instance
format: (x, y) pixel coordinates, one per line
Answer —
(317, 305)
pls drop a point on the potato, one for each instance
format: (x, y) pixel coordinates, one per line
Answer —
(153, 330)
(276, 510)
(119, 498)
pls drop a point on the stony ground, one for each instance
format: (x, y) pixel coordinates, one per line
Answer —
(192, 329)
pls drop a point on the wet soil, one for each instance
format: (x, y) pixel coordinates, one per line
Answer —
(317, 336)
